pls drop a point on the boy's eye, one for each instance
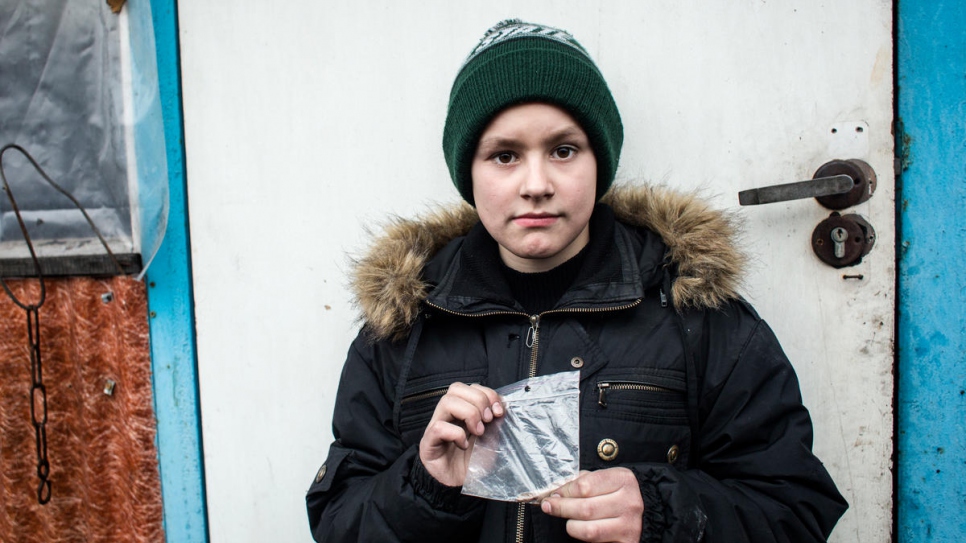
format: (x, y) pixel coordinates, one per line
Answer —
(564, 152)
(503, 158)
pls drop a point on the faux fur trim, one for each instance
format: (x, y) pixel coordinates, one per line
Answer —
(702, 242)
(387, 281)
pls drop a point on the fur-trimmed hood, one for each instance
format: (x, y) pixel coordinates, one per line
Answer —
(388, 283)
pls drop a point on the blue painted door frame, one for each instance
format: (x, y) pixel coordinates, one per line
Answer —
(931, 208)
(931, 297)
(171, 310)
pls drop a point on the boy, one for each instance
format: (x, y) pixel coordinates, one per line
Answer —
(691, 423)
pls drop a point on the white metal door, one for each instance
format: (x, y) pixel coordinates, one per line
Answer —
(308, 122)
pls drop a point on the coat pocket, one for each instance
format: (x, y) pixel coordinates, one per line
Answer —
(641, 400)
(417, 408)
(419, 402)
(635, 416)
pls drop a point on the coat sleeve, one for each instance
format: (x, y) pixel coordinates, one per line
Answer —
(372, 487)
(756, 478)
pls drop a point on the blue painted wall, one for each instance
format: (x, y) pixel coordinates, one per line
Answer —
(173, 356)
(931, 48)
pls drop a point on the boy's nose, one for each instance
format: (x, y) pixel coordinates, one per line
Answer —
(537, 183)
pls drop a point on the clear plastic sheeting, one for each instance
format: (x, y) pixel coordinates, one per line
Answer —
(534, 448)
(79, 92)
(145, 120)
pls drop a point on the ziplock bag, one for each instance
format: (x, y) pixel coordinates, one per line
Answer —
(534, 448)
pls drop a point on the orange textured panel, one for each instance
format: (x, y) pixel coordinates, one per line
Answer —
(103, 460)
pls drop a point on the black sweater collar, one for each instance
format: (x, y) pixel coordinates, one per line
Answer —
(475, 281)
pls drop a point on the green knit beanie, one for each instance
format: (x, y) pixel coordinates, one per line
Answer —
(517, 63)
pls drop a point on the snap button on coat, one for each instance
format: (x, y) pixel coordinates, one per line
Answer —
(672, 454)
(577, 362)
(320, 474)
(607, 449)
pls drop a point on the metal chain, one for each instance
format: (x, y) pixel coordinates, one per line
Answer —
(33, 337)
(38, 398)
(38, 392)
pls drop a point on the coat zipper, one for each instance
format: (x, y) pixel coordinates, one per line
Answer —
(533, 343)
(602, 389)
(521, 509)
(424, 395)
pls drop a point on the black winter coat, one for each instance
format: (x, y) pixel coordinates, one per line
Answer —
(676, 371)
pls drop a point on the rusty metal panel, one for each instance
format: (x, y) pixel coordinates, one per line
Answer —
(101, 426)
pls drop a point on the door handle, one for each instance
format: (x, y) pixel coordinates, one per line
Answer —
(822, 186)
(836, 185)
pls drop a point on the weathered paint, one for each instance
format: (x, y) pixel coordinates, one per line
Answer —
(172, 317)
(306, 124)
(932, 284)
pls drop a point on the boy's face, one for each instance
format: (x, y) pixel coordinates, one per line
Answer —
(535, 185)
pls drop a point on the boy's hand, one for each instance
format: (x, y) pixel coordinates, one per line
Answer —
(602, 506)
(459, 417)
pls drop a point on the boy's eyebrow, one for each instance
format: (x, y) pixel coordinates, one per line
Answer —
(497, 141)
(500, 141)
(567, 133)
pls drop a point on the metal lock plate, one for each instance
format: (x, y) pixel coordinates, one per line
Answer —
(842, 240)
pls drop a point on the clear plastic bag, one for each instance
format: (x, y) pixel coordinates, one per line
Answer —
(534, 448)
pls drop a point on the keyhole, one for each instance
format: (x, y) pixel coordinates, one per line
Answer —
(839, 235)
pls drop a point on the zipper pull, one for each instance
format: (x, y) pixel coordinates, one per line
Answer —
(532, 332)
(602, 394)
(665, 287)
